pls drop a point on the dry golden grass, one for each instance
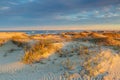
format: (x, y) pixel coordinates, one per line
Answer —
(50, 37)
(20, 41)
(2, 41)
(105, 41)
(6, 36)
(84, 50)
(96, 35)
(99, 64)
(66, 37)
(112, 35)
(40, 50)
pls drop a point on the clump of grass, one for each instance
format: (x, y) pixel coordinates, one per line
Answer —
(3, 41)
(92, 71)
(83, 50)
(68, 64)
(38, 51)
(107, 41)
(94, 65)
(62, 53)
(116, 48)
(20, 42)
(66, 37)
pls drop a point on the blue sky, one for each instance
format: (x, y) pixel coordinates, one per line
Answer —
(35, 13)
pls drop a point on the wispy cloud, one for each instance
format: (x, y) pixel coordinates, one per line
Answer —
(50, 12)
(93, 14)
(118, 8)
(72, 17)
(4, 8)
(13, 3)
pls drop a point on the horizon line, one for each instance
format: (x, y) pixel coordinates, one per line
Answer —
(64, 27)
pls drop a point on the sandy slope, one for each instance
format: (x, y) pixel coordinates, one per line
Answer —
(10, 57)
(105, 62)
(114, 70)
(52, 68)
(49, 69)
(12, 69)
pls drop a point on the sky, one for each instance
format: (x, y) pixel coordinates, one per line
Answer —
(59, 14)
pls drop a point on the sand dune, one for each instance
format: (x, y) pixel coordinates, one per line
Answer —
(75, 59)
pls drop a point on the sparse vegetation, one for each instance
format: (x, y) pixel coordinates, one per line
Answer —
(84, 50)
(116, 48)
(2, 41)
(82, 54)
(38, 51)
(9, 51)
(68, 64)
(19, 41)
(95, 64)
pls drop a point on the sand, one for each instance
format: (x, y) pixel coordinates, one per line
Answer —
(54, 67)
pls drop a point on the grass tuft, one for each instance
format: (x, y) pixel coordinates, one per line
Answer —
(38, 51)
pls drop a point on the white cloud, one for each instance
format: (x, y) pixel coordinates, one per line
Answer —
(112, 15)
(118, 8)
(96, 12)
(4, 8)
(31, 0)
(13, 3)
(107, 15)
(73, 17)
(100, 16)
